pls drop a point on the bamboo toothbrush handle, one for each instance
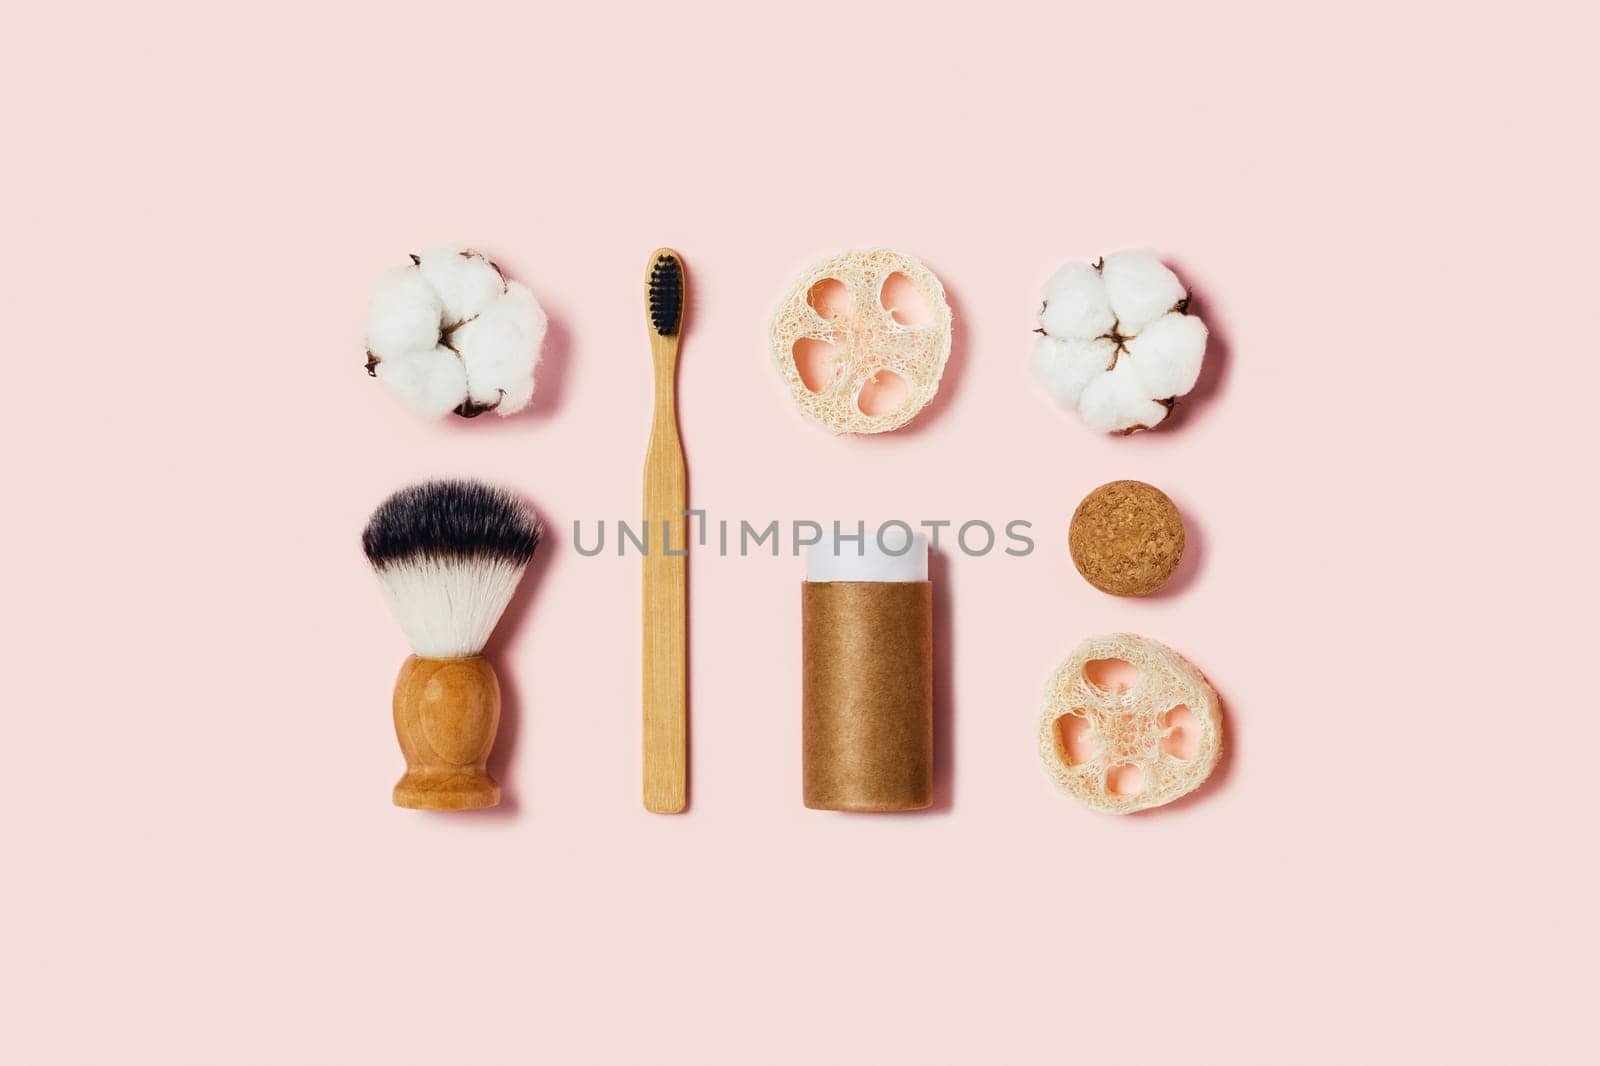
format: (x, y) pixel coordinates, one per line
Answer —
(665, 597)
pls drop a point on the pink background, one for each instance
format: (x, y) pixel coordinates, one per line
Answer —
(1386, 212)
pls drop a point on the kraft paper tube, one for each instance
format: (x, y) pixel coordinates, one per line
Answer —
(867, 677)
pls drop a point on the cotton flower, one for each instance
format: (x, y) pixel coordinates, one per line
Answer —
(1117, 343)
(449, 333)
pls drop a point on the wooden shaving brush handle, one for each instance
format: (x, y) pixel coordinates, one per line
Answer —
(445, 714)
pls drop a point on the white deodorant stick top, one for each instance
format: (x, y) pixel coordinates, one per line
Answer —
(869, 558)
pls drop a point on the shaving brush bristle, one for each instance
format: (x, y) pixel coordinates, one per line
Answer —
(449, 555)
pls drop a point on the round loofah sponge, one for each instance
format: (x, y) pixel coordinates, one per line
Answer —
(866, 338)
(1126, 538)
(1118, 750)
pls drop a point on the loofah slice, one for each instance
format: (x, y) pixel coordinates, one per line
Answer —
(1090, 736)
(866, 340)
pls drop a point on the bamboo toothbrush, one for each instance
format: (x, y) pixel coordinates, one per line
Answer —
(666, 742)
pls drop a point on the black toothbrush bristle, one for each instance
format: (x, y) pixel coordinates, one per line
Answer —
(666, 295)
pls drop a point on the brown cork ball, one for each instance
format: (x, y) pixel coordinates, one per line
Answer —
(1126, 538)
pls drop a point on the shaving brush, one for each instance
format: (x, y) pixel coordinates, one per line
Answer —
(449, 555)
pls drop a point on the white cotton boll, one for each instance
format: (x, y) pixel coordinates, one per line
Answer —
(449, 333)
(404, 313)
(1117, 350)
(430, 382)
(1141, 289)
(500, 349)
(1167, 354)
(464, 281)
(1075, 303)
(1065, 367)
(1118, 401)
